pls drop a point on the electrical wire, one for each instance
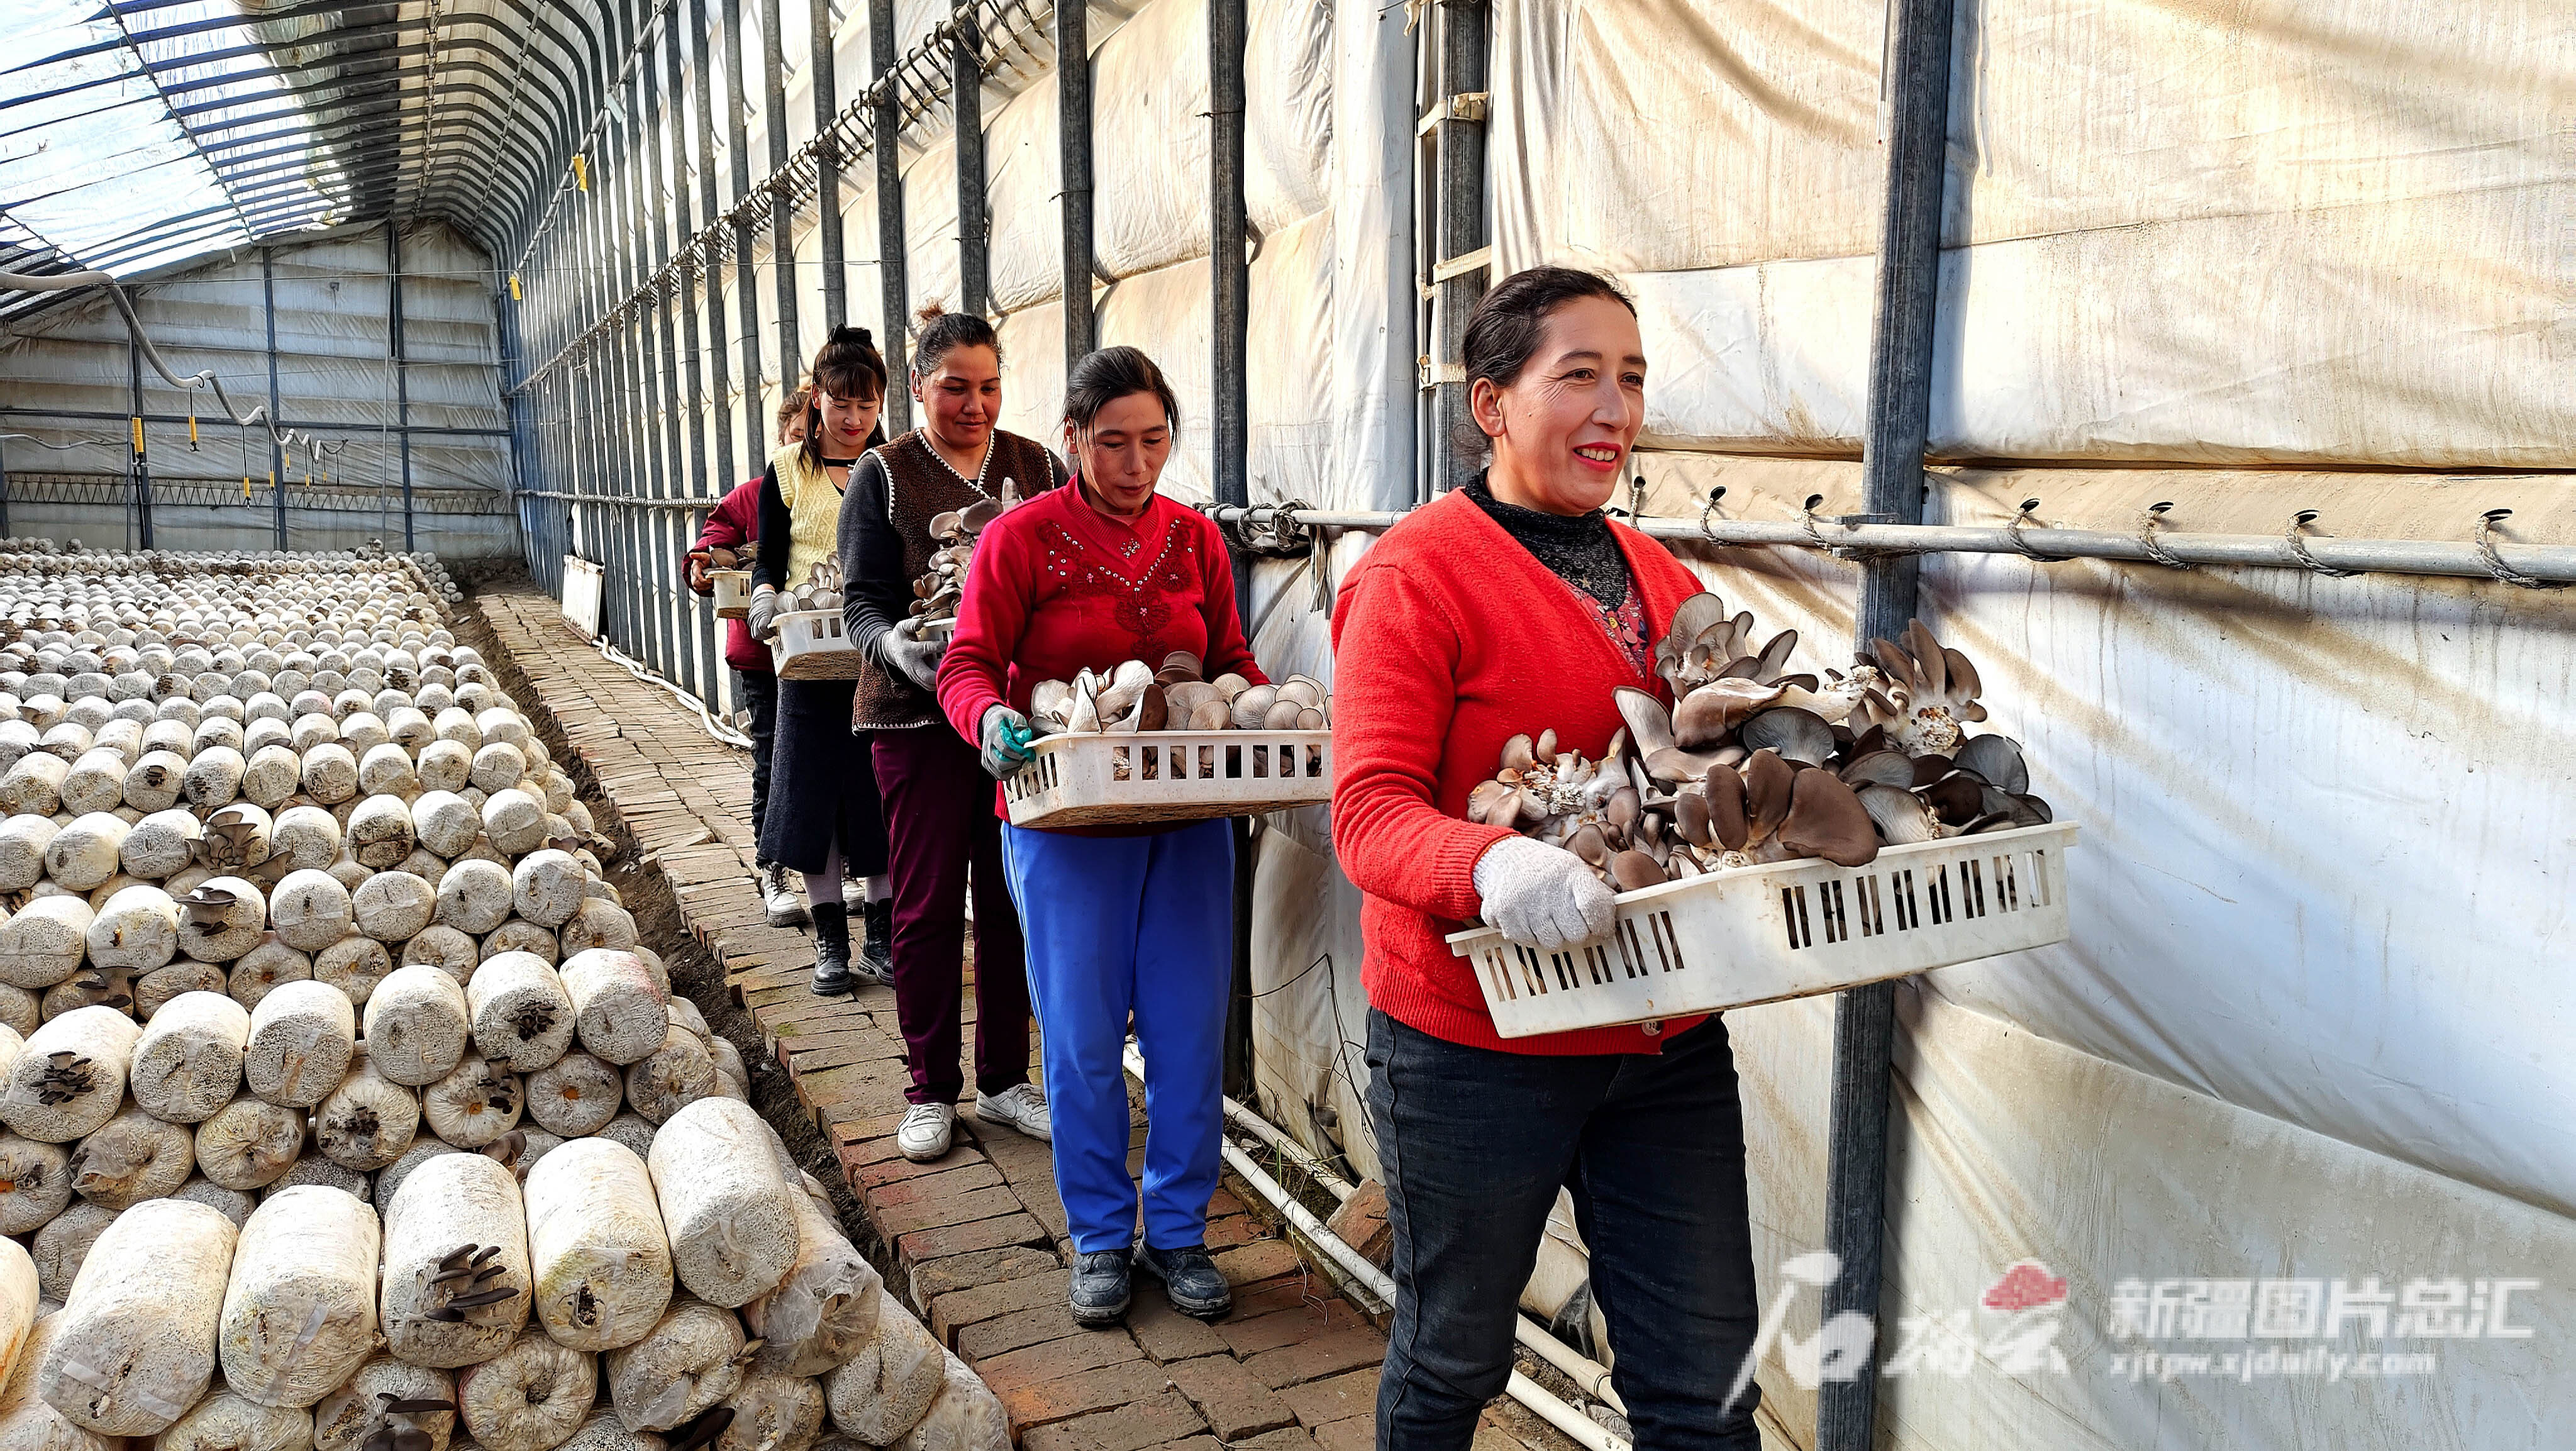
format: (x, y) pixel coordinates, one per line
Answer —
(316, 449)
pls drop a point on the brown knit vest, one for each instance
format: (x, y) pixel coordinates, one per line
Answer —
(920, 486)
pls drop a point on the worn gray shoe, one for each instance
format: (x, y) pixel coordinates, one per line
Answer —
(1190, 1279)
(1099, 1289)
(779, 898)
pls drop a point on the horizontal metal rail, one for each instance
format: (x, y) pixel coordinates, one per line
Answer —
(619, 501)
(2485, 555)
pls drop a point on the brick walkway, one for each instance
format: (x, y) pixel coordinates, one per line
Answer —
(979, 1236)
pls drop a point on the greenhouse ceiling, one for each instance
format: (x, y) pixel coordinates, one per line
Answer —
(138, 134)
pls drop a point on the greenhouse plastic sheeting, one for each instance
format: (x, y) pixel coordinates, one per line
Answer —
(2336, 236)
(2305, 1027)
(334, 375)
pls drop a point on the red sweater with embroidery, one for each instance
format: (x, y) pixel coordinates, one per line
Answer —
(1057, 587)
(1449, 639)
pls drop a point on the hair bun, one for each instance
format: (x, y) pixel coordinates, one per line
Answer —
(929, 312)
(853, 333)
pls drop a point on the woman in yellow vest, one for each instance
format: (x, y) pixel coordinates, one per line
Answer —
(824, 816)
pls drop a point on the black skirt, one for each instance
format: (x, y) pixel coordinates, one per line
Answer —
(822, 784)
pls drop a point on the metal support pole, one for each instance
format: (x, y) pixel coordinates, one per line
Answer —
(890, 257)
(827, 168)
(643, 379)
(974, 262)
(1900, 403)
(4, 492)
(1073, 141)
(698, 623)
(782, 212)
(402, 383)
(1230, 281)
(1229, 272)
(1461, 231)
(720, 370)
(142, 465)
(276, 451)
(746, 285)
(669, 610)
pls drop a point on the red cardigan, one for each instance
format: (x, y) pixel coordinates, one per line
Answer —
(1058, 586)
(1449, 639)
(734, 523)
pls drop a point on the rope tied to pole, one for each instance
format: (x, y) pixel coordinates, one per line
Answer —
(2148, 523)
(2023, 520)
(2505, 573)
(2299, 547)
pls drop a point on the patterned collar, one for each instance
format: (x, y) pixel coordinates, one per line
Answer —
(992, 442)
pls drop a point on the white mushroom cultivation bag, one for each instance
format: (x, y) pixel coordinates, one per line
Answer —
(456, 1278)
(731, 1213)
(299, 1312)
(137, 1343)
(600, 1255)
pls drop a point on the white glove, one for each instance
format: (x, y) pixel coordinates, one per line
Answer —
(1542, 896)
(762, 617)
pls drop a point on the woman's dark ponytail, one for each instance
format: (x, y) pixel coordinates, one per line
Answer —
(939, 332)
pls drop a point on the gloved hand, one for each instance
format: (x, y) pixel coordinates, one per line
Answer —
(918, 659)
(700, 561)
(1006, 743)
(1541, 896)
(763, 615)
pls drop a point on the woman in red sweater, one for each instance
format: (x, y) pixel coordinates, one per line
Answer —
(1118, 921)
(1511, 606)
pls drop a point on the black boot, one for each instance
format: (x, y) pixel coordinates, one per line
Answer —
(831, 950)
(875, 962)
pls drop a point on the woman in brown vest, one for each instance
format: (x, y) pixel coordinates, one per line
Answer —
(940, 826)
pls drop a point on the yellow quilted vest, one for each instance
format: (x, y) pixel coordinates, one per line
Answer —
(813, 512)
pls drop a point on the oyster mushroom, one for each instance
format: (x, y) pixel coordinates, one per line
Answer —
(1826, 819)
(1934, 691)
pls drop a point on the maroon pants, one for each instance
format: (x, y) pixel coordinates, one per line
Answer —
(939, 824)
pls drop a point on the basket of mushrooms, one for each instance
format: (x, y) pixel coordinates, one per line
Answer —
(813, 641)
(1775, 835)
(1143, 744)
(732, 582)
(936, 593)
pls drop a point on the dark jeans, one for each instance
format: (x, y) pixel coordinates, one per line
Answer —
(1474, 1145)
(758, 690)
(939, 825)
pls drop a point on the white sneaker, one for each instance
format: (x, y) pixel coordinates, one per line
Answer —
(785, 904)
(1020, 1107)
(924, 1134)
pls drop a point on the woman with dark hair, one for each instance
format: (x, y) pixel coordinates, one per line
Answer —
(1477, 1133)
(824, 819)
(734, 523)
(1121, 921)
(941, 837)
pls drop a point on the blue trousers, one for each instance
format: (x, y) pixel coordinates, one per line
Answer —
(1120, 926)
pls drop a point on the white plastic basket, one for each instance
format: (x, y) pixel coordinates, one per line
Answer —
(1118, 780)
(733, 592)
(1786, 930)
(814, 645)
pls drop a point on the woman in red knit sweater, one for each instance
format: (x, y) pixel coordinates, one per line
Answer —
(1509, 606)
(1118, 921)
